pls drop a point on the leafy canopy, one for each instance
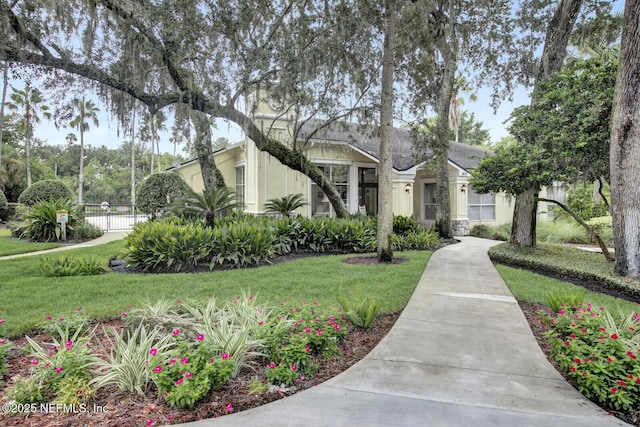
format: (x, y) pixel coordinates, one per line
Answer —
(564, 137)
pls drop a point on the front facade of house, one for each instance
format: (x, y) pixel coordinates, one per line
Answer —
(348, 157)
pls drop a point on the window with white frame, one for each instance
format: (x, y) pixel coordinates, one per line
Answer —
(481, 207)
(240, 187)
(339, 176)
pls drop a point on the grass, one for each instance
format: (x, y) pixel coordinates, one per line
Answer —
(528, 286)
(28, 297)
(564, 260)
(11, 245)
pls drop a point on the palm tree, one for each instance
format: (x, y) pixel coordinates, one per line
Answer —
(87, 111)
(285, 205)
(208, 204)
(30, 103)
(151, 125)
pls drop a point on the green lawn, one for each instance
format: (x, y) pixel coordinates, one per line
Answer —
(28, 297)
(528, 286)
(11, 245)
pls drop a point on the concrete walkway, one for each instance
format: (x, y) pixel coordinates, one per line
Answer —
(461, 354)
(105, 238)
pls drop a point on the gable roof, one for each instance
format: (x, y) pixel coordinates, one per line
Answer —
(367, 139)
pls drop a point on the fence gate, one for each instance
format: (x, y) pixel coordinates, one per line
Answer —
(113, 217)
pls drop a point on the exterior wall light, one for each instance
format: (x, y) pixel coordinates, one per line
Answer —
(463, 187)
(407, 188)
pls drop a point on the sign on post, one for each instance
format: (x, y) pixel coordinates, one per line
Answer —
(62, 216)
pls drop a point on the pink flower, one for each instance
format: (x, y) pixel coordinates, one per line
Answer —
(69, 344)
(48, 317)
(79, 309)
(631, 355)
(224, 356)
(272, 365)
(61, 319)
(294, 367)
(200, 337)
(229, 408)
(179, 301)
(169, 417)
(34, 362)
(176, 332)
(1, 321)
(614, 336)
(337, 327)
(172, 361)
(577, 360)
(58, 370)
(184, 360)
(614, 390)
(188, 375)
(150, 422)
(307, 330)
(153, 351)
(572, 336)
(123, 314)
(621, 383)
(572, 368)
(180, 381)
(260, 323)
(567, 343)
(3, 342)
(157, 369)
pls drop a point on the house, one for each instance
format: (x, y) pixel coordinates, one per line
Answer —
(348, 156)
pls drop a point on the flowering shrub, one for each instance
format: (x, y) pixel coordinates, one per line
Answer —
(187, 373)
(602, 356)
(311, 334)
(4, 351)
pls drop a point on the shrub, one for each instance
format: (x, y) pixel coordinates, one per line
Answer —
(599, 354)
(5, 211)
(403, 225)
(4, 353)
(493, 232)
(561, 231)
(240, 244)
(49, 189)
(70, 266)
(159, 191)
(361, 311)
(415, 240)
(580, 201)
(166, 246)
(41, 221)
(86, 231)
(187, 373)
(558, 300)
(127, 364)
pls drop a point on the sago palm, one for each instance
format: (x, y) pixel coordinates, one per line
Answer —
(285, 205)
(207, 204)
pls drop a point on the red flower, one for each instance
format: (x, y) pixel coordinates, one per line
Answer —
(631, 355)
(621, 383)
(614, 336)
(614, 390)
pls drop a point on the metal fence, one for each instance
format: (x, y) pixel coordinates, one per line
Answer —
(113, 217)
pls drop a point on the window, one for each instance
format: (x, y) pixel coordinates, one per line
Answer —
(240, 187)
(481, 207)
(339, 176)
(429, 199)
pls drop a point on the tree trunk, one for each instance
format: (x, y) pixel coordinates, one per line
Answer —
(591, 232)
(5, 84)
(443, 200)
(625, 148)
(385, 167)
(203, 150)
(27, 144)
(81, 165)
(133, 160)
(523, 228)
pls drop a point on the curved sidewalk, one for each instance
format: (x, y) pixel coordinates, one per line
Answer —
(460, 354)
(105, 238)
